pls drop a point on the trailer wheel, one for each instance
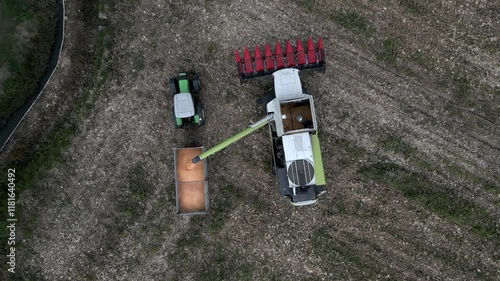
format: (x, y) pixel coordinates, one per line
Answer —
(172, 84)
(196, 84)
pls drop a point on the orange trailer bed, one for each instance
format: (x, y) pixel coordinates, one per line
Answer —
(191, 185)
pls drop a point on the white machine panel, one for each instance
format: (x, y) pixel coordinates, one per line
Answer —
(183, 105)
(287, 84)
(299, 147)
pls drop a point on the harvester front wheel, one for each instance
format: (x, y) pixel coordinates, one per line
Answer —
(172, 84)
(196, 84)
(267, 98)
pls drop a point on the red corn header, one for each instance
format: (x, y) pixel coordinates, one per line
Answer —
(257, 65)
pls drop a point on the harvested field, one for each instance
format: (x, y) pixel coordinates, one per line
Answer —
(408, 113)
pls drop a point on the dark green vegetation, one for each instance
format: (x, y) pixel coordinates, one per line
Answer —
(413, 6)
(229, 261)
(390, 42)
(363, 266)
(390, 50)
(230, 198)
(32, 164)
(27, 29)
(437, 197)
(12, 14)
(353, 21)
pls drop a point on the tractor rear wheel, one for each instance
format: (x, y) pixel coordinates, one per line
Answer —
(196, 84)
(201, 113)
(175, 119)
(172, 84)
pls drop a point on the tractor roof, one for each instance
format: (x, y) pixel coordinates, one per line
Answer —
(183, 105)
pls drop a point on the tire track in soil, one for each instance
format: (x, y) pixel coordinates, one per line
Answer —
(434, 112)
(438, 141)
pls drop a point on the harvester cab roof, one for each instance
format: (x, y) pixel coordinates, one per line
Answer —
(287, 84)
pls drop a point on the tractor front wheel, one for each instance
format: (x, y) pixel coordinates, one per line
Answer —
(271, 95)
(196, 84)
(172, 84)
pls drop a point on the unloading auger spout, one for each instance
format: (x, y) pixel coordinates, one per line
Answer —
(252, 128)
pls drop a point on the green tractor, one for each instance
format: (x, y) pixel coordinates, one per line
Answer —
(187, 106)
